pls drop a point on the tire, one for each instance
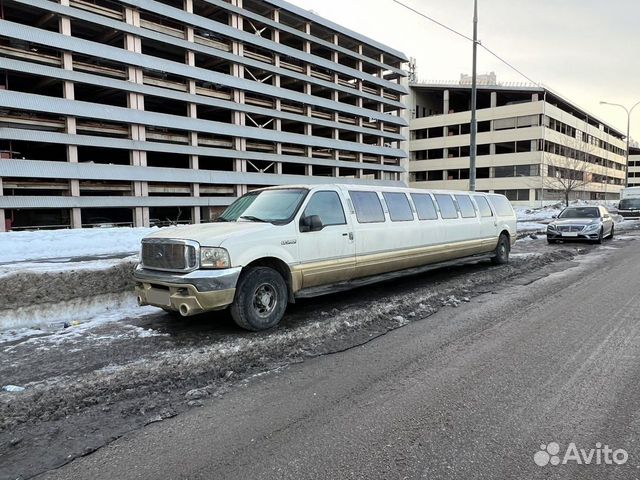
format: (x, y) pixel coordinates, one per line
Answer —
(613, 232)
(502, 251)
(551, 240)
(261, 299)
(600, 238)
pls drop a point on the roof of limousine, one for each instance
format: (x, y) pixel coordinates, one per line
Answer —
(348, 186)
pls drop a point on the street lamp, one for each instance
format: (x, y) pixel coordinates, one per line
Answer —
(628, 110)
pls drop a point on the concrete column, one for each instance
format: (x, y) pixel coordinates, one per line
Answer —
(194, 164)
(239, 144)
(68, 93)
(3, 218)
(135, 101)
(494, 99)
(534, 97)
(445, 102)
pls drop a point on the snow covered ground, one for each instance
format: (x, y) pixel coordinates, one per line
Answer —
(62, 244)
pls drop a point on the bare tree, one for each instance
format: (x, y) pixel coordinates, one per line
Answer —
(569, 167)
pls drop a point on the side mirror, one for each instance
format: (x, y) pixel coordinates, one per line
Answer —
(554, 216)
(312, 223)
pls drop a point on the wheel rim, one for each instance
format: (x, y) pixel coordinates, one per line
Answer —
(265, 299)
(503, 250)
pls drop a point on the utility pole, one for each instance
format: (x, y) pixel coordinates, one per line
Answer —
(474, 122)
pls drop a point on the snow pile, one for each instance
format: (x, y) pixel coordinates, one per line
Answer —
(70, 317)
(60, 244)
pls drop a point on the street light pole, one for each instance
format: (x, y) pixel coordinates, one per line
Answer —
(474, 123)
(628, 110)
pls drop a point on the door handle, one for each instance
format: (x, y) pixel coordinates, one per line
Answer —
(348, 234)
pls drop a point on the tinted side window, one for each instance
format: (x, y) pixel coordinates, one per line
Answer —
(466, 206)
(327, 206)
(483, 205)
(367, 206)
(424, 206)
(447, 207)
(502, 205)
(399, 207)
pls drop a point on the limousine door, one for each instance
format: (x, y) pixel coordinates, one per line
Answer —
(326, 251)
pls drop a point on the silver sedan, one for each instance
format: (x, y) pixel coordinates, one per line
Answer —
(581, 223)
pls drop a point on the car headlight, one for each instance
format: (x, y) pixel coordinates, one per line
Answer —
(591, 227)
(214, 257)
(551, 226)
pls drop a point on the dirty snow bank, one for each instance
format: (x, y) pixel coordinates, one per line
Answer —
(71, 320)
(33, 297)
(50, 244)
(77, 311)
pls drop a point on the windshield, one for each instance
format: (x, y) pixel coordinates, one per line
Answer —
(629, 204)
(580, 212)
(273, 206)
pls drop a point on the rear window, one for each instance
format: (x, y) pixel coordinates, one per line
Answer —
(367, 206)
(483, 205)
(424, 206)
(466, 206)
(399, 207)
(502, 206)
(446, 205)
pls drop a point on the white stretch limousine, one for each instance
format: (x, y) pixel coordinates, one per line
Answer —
(277, 244)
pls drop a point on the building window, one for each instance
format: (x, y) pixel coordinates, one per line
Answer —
(515, 194)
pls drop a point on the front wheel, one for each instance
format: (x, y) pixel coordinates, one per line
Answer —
(501, 255)
(600, 238)
(612, 232)
(261, 299)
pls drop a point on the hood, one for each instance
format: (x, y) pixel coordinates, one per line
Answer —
(574, 221)
(211, 234)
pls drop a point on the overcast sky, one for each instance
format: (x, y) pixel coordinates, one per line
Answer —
(586, 50)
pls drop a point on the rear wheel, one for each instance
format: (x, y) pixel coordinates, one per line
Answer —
(501, 255)
(612, 232)
(261, 299)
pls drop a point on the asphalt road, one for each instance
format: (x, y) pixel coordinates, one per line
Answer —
(470, 392)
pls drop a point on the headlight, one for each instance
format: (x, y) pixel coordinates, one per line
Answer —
(591, 227)
(214, 257)
(551, 226)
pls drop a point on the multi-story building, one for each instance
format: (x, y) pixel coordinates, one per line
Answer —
(532, 144)
(122, 111)
(634, 167)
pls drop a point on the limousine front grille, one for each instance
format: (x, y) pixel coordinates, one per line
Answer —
(170, 255)
(570, 228)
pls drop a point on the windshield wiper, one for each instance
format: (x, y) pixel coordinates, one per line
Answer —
(254, 219)
(220, 219)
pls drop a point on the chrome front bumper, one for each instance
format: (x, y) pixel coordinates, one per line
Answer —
(190, 293)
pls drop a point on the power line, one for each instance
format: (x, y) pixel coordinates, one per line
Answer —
(433, 20)
(506, 63)
(452, 30)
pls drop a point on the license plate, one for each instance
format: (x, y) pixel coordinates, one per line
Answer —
(569, 234)
(156, 296)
